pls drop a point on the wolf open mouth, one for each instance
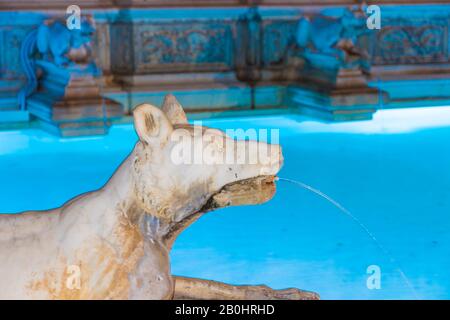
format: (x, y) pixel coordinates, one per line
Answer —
(243, 192)
(254, 190)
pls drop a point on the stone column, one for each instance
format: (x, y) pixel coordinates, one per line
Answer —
(14, 26)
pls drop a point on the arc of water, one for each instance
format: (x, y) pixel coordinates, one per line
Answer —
(361, 225)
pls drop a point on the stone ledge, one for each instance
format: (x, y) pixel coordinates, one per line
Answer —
(102, 4)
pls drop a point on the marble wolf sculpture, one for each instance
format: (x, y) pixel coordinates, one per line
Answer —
(114, 243)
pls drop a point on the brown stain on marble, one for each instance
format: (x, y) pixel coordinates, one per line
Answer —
(105, 267)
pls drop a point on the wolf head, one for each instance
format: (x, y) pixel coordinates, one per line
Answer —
(179, 169)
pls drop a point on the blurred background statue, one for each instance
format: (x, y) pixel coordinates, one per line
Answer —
(332, 44)
(63, 81)
(329, 64)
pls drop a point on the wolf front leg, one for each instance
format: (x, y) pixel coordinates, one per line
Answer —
(198, 289)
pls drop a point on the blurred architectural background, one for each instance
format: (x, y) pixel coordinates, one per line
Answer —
(315, 57)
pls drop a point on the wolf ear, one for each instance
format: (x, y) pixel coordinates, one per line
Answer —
(151, 124)
(173, 110)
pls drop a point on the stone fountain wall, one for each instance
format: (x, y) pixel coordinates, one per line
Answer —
(208, 54)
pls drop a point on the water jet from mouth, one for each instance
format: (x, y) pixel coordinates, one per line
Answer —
(360, 224)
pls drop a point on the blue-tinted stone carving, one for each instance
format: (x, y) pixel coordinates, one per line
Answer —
(331, 56)
(278, 37)
(332, 40)
(175, 46)
(66, 95)
(404, 42)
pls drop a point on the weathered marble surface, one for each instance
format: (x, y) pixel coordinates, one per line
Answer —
(116, 240)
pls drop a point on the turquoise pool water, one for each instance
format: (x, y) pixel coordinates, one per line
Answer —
(392, 173)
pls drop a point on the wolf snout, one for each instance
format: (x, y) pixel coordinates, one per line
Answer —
(277, 158)
(275, 161)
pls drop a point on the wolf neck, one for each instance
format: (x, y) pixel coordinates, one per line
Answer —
(119, 194)
(120, 188)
